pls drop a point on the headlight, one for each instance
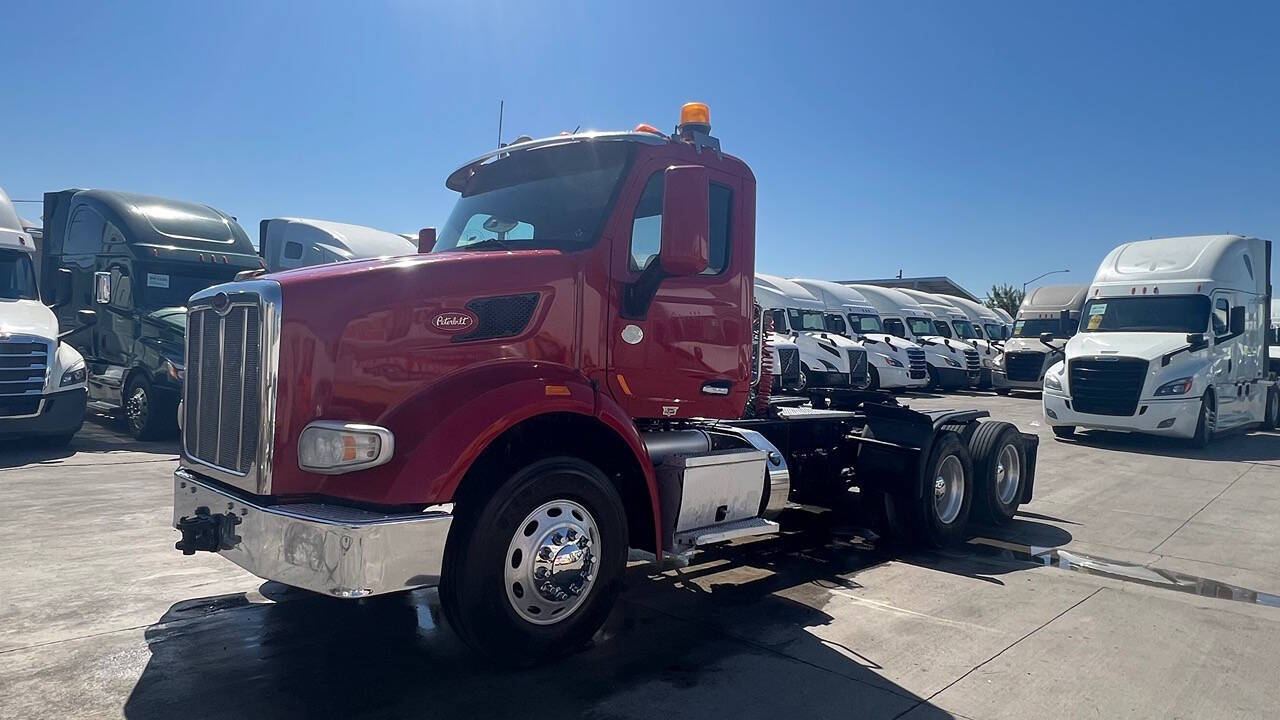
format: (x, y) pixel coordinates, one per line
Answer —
(74, 376)
(337, 447)
(893, 362)
(1052, 382)
(1181, 386)
(175, 371)
(999, 361)
(952, 362)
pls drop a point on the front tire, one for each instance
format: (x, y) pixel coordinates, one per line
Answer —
(534, 571)
(873, 378)
(1002, 391)
(934, 383)
(1000, 466)
(1207, 423)
(1271, 420)
(148, 415)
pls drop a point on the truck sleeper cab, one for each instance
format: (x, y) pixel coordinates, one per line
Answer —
(42, 379)
(288, 243)
(828, 359)
(952, 365)
(953, 323)
(1176, 350)
(562, 377)
(1053, 309)
(892, 362)
(132, 261)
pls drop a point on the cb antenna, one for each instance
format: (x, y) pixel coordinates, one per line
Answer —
(500, 107)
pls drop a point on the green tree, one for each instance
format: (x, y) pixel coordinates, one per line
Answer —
(1006, 297)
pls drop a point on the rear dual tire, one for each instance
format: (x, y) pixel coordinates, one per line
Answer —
(1000, 468)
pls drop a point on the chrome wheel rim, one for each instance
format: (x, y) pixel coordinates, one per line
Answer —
(1008, 474)
(137, 408)
(948, 489)
(550, 565)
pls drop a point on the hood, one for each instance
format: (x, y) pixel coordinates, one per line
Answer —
(891, 340)
(27, 317)
(959, 346)
(1031, 345)
(1147, 346)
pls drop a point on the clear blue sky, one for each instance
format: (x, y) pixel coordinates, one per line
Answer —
(988, 141)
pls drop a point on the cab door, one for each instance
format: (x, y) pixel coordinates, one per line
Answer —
(689, 353)
(1226, 359)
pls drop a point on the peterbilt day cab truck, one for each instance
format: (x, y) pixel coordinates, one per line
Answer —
(952, 364)
(1053, 309)
(42, 378)
(1172, 341)
(892, 363)
(131, 261)
(828, 359)
(288, 243)
(505, 417)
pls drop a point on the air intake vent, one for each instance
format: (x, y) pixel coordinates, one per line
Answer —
(23, 366)
(1023, 366)
(500, 317)
(1106, 387)
(971, 360)
(918, 367)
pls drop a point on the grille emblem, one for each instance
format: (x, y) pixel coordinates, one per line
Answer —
(221, 303)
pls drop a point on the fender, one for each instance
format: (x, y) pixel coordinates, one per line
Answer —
(441, 431)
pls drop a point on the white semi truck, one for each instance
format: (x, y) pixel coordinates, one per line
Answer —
(1053, 309)
(827, 359)
(287, 243)
(42, 379)
(952, 322)
(892, 362)
(1172, 342)
(951, 364)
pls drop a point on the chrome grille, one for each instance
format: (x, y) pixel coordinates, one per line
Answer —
(917, 366)
(223, 386)
(1023, 366)
(24, 367)
(971, 360)
(789, 364)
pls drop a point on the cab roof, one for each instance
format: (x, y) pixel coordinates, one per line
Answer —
(355, 240)
(1055, 298)
(164, 221)
(836, 295)
(975, 310)
(892, 301)
(1204, 261)
(782, 293)
(12, 236)
(941, 308)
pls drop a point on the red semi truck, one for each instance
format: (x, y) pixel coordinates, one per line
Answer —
(573, 370)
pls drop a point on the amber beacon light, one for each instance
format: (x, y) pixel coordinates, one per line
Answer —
(695, 115)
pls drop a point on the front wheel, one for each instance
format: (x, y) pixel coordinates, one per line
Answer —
(534, 571)
(1272, 419)
(873, 379)
(148, 415)
(934, 383)
(1207, 423)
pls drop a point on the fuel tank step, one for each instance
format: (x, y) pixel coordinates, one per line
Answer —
(749, 527)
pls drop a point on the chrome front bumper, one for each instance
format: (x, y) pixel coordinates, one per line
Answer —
(330, 549)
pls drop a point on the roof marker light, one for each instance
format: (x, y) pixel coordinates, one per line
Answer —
(647, 128)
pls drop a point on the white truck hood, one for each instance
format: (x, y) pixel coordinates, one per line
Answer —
(27, 317)
(1145, 345)
(891, 340)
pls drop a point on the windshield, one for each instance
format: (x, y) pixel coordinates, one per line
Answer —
(806, 320)
(964, 329)
(921, 326)
(156, 291)
(17, 278)
(940, 327)
(173, 316)
(1032, 327)
(555, 197)
(895, 327)
(993, 331)
(867, 323)
(1170, 313)
(835, 323)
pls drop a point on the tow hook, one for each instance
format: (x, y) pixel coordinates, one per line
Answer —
(207, 532)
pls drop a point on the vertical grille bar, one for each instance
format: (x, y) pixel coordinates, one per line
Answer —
(223, 387)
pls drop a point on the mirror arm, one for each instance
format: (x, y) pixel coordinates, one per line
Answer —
(637, 297)
(68, 333)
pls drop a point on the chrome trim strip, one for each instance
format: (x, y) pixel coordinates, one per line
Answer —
(386, 446)
(39, 409)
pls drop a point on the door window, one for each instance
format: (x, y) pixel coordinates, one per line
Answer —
(292, 250)
(1221, 317)
(84, 235)
(895, 327)
(646, 226)
(779, 320)
(835, 324)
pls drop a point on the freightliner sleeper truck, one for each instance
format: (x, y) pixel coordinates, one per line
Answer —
(1172, 341)
(953, 323)
(951, 364)
(1053, 309)
(827, 359)
(559, 395)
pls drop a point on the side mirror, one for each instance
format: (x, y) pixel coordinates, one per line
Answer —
(1046, 337)
(102, 288)
(61, 290)
(686, 220)
(87, 318)
(1237, 320)
(426, 240)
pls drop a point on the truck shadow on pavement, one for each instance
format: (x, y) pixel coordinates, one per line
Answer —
(1247, 445)
(99, 434)
(737, 634)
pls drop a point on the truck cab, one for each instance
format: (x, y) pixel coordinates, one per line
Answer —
(132, 261)
(829, 359)
(42, 379)
(893, 363)
(1172, 341)
(1053, 309)
(953, 323)
(951, 364)
(288, 243)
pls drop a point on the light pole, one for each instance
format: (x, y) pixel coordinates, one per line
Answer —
(1051, 272)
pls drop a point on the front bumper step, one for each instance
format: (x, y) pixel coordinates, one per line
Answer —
(330, 549)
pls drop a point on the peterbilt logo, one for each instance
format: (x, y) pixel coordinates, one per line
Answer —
(453, 321)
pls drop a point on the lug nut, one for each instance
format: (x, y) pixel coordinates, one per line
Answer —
(557, 539)
(545, 553)
(572, 534)
(540, 573)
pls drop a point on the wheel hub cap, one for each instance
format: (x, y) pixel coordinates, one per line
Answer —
(551, 562)
(1008, 474)
(948, 490)
(136, 408)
